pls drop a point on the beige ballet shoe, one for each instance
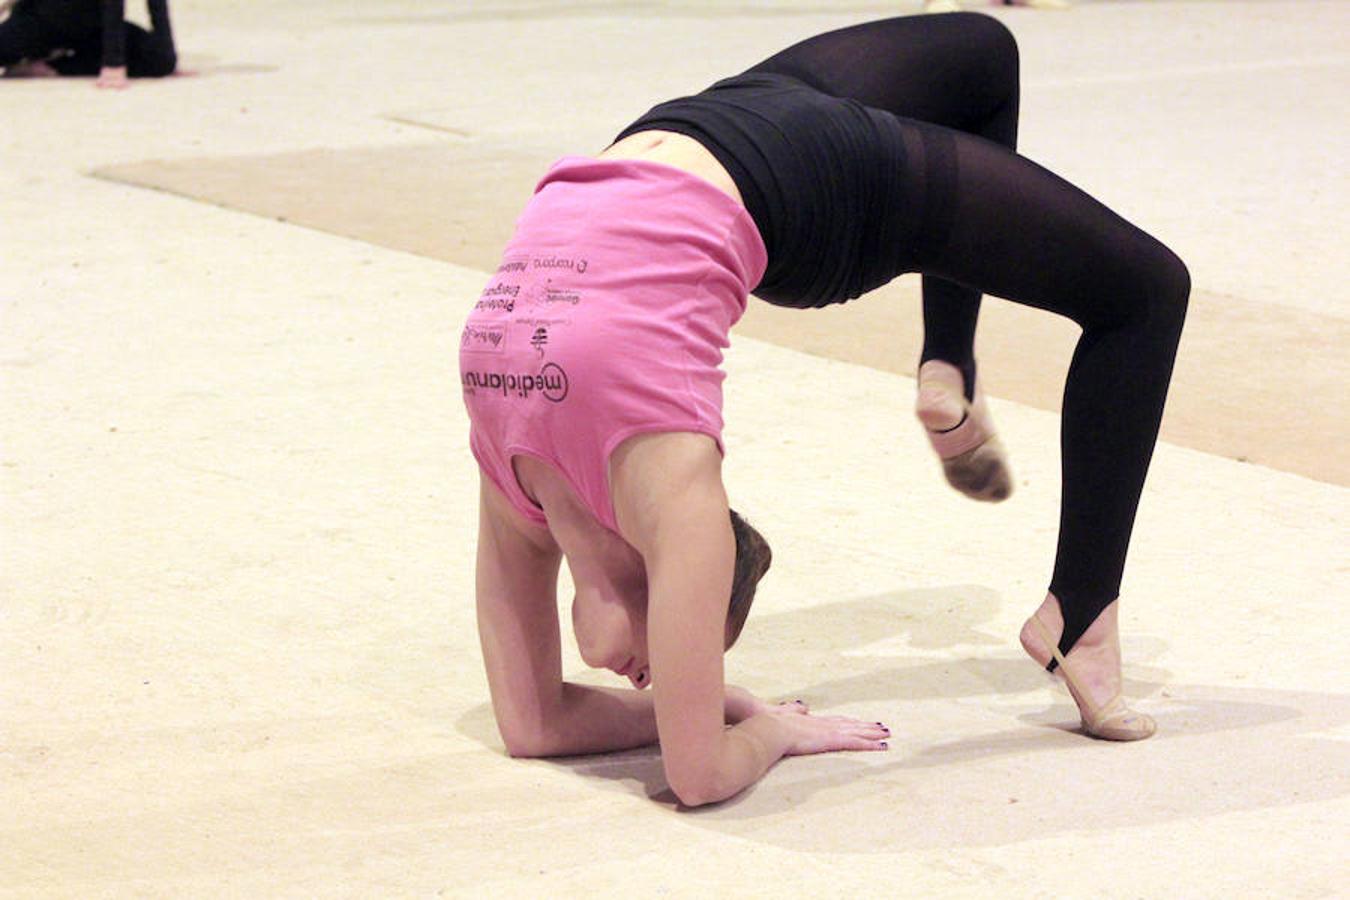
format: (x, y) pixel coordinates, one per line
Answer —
(1113, 720)
(973, 459)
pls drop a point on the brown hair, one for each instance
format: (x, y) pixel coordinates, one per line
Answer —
(753, 557)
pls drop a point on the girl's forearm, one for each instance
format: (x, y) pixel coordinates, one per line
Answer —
(159, 19)
(600, 720)
(114, 34)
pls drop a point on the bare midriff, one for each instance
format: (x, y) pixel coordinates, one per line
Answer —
(677, 150)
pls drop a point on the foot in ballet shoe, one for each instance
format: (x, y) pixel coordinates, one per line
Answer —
(1109, 721)
(962, 433)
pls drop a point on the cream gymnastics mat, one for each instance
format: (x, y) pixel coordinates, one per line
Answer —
(238, 655)
(244, 659)
(1251, 384)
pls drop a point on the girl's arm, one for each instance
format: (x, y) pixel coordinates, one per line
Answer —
(671, 506)
(537, 712)
(689, 552)
(114, 71)
(159, 20)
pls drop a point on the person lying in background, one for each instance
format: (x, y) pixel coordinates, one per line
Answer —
(50, 38)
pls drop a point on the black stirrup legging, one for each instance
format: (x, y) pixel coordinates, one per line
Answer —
(1020, 232)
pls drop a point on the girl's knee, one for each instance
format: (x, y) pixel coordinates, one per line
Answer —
(987, 45)
(165, 66)
(1180, 277)
(154, 65)
(1171, 291)
(988, 36)
(1145, 290)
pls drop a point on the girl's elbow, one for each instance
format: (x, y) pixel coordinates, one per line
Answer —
(526, 743)
(693, 796)
(695, 785)
(518, 749)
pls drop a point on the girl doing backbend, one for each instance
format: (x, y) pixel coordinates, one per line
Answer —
(590, 372)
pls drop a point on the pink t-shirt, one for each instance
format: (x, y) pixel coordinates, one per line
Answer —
(607, 318)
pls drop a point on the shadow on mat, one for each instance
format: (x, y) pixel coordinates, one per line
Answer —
(202, 64)
(861, 644)
(848, 639)
(1218, 751)
(977, 758)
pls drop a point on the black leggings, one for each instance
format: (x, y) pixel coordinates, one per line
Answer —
(1018, 231)
(975, 217)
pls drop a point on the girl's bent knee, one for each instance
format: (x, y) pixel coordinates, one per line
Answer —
(160, 66)
(1172, 291)
(987, 34)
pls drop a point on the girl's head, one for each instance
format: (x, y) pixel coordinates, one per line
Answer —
(609, 613)
(753, 558)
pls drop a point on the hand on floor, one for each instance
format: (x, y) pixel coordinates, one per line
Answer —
(808, 734)
(112, 78)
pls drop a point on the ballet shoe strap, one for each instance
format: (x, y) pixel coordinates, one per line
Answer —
(971, 432)
(1049, 639)
(1101, 720)
(1109, 721)
(1064, 667)
(974, 429)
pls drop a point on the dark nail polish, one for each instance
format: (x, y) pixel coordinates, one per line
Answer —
(885, 746)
